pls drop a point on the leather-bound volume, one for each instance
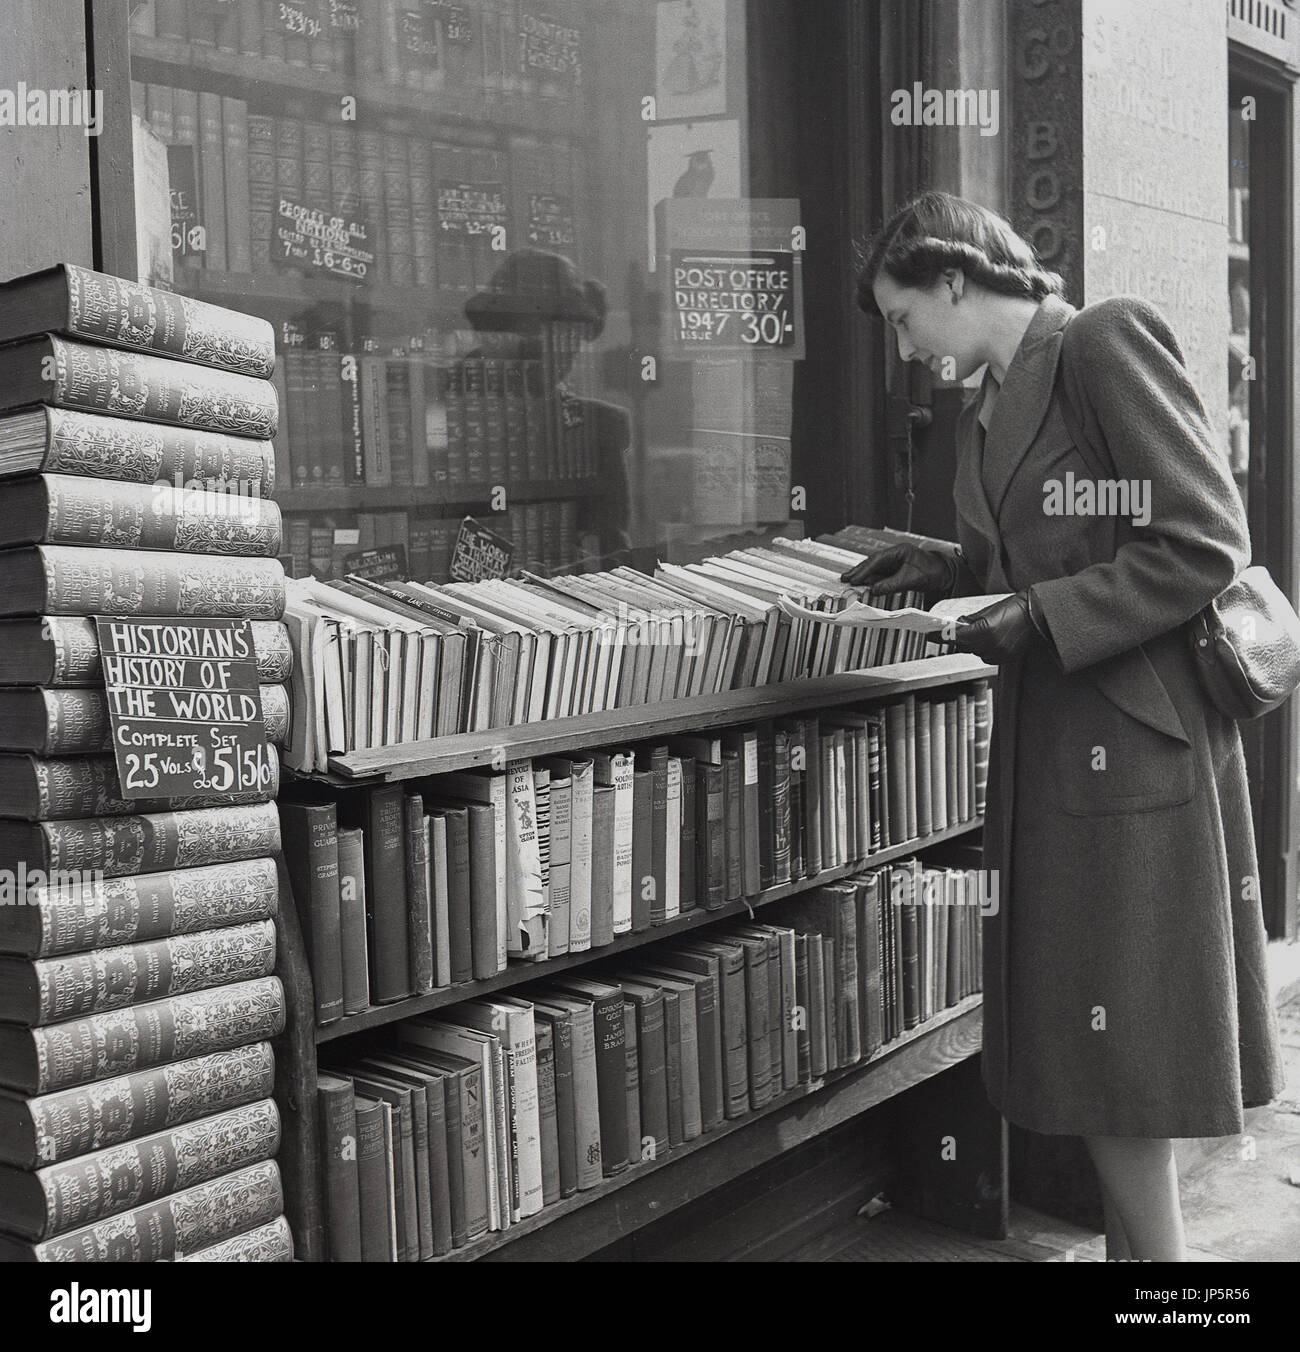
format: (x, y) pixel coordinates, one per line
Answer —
(338, 1130)
(311, 854)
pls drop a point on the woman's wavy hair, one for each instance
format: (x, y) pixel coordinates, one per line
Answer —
(936, 231)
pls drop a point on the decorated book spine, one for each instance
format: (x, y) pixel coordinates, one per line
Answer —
(153, 841)
(118, 1042)
(108, 978)
(128, 314)
(101, 1114)
(113, 911)
(104, 447)
(83, 1190)
(272, 1243)
(81, 580)
(157, 389)
(177, 1224)
(87, 511)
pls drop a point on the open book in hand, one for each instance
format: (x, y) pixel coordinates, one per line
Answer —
(863, 615)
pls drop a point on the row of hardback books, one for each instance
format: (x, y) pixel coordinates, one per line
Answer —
(488, 47)
(416, 212)
(475, 1118)
(393, 418)
(382, 663)
(408, 888)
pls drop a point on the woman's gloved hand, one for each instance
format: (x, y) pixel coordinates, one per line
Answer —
(1003, 631)
(904, 568)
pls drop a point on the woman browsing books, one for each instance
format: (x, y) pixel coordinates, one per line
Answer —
(1126, 993)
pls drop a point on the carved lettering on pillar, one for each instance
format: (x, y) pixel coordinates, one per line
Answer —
(1047, 104)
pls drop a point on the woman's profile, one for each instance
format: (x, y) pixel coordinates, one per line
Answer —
(1126, 992)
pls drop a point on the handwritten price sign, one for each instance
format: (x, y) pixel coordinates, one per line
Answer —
(332, 245)
(184, 706)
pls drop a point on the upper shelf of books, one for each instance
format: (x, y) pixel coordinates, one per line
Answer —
(468, 750)
(456, 100)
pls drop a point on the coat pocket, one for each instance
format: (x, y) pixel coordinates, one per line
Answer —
(1117, 743)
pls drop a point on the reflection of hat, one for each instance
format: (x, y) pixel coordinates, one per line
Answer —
(534, 284)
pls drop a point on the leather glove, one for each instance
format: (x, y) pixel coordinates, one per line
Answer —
(904, 568)
(1002, 631)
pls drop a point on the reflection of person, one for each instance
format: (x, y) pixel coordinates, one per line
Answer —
(1126, 990)
(531, 290)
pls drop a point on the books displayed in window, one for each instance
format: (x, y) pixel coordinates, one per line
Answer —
(473, 1119)
(381, 663)
(462, 873)
(138, 938)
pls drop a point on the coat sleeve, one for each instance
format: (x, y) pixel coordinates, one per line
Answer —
(1135, 391)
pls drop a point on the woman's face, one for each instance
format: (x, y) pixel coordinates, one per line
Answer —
(931, 328)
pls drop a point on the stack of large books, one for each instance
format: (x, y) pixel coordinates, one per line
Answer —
(473, 1119)
(137, 939)
(383, 663)
(407, 888)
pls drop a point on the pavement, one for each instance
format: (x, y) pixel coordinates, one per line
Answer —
(1240, 1195)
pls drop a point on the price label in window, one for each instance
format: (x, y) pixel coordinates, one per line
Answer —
(734, 300)
(385, 563)
(328, 245)
(731, 276)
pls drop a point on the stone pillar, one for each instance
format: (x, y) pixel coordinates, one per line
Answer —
(1155, 171)
(1046, 160)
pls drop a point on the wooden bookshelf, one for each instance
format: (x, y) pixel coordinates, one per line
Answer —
(430, 308)
(520, 972)
(176, 61)
(360, 498)
(466, 750)
(579, 1225)
(647, 1191)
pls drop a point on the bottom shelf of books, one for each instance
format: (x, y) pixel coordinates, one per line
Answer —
(653, 1187)
(480, 1123)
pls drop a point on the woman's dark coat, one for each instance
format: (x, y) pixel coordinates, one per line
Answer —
(1126, 991)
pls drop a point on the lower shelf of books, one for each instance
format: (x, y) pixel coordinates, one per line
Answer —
(650, 1189)
(518, 972)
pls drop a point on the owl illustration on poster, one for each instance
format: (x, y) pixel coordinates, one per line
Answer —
(691, 58)
(692, 159)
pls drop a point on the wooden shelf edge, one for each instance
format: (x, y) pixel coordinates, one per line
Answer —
(588, 1221)
(422, 497)
(466, 750)
(520, 973)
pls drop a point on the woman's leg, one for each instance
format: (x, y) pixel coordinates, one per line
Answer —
(1116, 1239)
(1140, 1177)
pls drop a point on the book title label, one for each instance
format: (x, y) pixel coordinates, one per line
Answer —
(479, 553)
(325, 245)
(385, 563)
(185, 706)
(726, 299)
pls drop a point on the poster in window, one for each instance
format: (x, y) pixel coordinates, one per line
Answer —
(692, 160)
(691, 58)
